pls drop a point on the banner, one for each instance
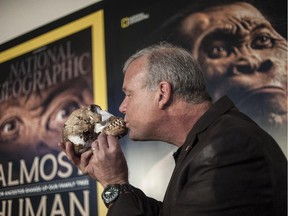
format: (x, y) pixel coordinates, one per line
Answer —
(241, 47)
(42, 81)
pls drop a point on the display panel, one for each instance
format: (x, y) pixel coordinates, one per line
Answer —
(241, 47)
(42, 81)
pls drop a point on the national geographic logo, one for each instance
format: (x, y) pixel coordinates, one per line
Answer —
(128, 21)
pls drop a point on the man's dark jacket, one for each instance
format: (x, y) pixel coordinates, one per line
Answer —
(228, 166)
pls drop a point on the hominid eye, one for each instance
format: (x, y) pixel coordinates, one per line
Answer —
(262, 41)
(218, 52)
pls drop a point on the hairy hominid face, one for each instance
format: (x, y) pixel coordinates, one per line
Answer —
(32, 125)
(243, 57)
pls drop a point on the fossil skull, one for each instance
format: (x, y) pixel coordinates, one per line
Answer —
(84, 125)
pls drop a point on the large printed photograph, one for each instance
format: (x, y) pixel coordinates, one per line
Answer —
(40, 86)
(241, 47)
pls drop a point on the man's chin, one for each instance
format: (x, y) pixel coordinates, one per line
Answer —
(137, 137)
(134, 138)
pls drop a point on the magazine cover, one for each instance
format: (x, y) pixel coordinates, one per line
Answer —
(42, 81)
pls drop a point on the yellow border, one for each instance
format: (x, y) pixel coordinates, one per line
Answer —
(96, 22)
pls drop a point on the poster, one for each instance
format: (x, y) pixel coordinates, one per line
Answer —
(261, 92)
(129, 26)
(42, 81)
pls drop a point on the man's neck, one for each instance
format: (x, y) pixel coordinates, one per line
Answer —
(182, 117)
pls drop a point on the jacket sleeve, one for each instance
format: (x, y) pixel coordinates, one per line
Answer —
(135, 203)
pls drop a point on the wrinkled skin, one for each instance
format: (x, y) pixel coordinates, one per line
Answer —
(32, 126)
(243, 57)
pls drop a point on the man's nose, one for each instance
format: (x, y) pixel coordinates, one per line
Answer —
(122, 107)
(248, 62)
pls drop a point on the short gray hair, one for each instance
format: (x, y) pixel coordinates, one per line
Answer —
(166, 62)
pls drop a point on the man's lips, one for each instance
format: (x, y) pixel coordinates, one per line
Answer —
(126, 124)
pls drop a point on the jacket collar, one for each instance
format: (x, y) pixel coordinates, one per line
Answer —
(223, 105)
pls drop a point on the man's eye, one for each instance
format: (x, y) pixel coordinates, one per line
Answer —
(218, 52)
(262, 41)
(127, 95)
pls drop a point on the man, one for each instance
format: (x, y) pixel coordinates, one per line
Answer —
(241, 55)
(225, 165)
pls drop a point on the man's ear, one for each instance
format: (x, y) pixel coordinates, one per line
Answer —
(164, 93)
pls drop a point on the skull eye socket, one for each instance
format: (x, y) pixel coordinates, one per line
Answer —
(93, 108)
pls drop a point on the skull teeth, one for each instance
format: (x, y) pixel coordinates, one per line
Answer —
(116, 123)
(116, 127)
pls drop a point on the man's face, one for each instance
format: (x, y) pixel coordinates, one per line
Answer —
(243, 57)
(33, 125)
(140, 114)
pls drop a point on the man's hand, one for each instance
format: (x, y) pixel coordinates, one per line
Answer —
(105, 162)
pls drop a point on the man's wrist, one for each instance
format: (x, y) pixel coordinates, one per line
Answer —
(112, 192)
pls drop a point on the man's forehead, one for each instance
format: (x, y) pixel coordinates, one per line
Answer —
(135, 76)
